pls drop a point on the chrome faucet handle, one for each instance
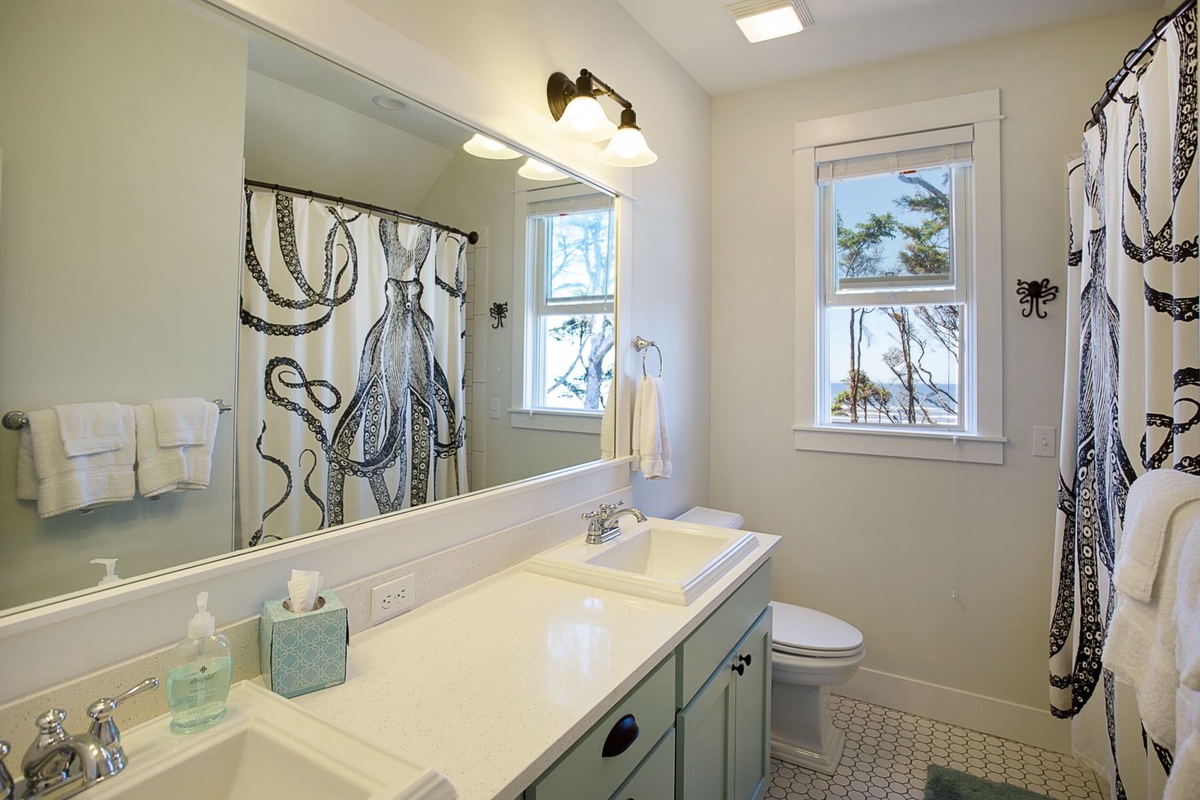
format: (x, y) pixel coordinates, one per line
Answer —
(6, 780)
(104, 728)
(606, 509)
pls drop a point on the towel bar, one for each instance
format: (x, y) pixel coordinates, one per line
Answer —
(15, 420)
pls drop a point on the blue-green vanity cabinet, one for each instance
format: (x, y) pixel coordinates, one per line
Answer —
(702, 718)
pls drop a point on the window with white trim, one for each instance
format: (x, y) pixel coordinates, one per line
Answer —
(898, 331)
(568, 255)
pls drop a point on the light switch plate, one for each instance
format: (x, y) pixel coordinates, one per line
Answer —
(1044, 441)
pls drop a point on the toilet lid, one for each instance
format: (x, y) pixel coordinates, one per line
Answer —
(807, 632)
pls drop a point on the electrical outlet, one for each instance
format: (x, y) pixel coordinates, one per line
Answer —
(1044, 443)
(392, 598)
(494, 408)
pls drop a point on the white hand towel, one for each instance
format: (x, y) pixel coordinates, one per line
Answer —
(608, 424)
(1153, 499)
(89, 428)
(1142, 637)
(165, 470)
(181, 421)
(651, 442)
(1184, 781)
(1187, 613)
(70, 483)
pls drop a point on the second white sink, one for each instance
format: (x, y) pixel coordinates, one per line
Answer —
(660, 559)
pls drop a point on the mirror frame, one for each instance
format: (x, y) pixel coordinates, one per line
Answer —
(103, 627)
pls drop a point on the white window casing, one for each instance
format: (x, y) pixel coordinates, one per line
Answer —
(949, 131)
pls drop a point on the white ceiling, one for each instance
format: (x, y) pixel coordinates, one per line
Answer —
(704, 39)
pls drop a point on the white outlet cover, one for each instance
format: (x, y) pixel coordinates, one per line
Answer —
(392, 598)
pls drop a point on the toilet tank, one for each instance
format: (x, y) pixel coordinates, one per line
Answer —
(700, 515)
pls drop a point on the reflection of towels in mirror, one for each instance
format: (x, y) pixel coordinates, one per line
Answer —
(61, 483)
(181, 421)
(651, 444)
(608, 424)
(88, 428)
(164, 470)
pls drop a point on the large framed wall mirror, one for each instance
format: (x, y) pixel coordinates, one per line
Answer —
(193, 208)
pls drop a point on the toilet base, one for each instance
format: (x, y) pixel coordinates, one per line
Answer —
(826, 763)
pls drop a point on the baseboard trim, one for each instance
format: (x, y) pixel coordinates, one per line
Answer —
(1001, 718)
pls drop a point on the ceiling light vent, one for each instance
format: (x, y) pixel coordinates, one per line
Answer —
(761, 20)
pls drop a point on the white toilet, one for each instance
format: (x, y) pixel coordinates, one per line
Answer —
(810, 651)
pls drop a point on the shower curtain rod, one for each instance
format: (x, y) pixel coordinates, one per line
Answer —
(472, 237)
(1132, 58)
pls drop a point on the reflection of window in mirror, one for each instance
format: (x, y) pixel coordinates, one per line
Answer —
(568, 289)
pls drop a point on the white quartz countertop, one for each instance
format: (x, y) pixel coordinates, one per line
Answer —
(491, 684)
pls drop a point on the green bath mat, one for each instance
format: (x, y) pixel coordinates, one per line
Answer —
(943, 783)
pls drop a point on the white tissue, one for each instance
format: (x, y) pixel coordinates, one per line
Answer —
(303, 588)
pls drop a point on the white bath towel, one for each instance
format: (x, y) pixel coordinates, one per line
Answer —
(1141, 642)
(61, 483)
(89, 428)
(181, 421)
(1153, 499)
(651, 442)
(1187, 613)
(165, 470)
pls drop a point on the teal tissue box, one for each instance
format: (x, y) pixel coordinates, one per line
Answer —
(302, 653)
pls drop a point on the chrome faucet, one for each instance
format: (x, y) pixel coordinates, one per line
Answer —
(7, 786)
(602, 524)
(57, 765)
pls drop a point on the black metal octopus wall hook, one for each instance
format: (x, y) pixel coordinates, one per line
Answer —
(498, 312)
(1033, 294)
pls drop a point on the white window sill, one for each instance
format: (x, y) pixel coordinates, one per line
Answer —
(938, 446)
(544, 419)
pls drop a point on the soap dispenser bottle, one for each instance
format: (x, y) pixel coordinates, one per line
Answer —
(200, 671)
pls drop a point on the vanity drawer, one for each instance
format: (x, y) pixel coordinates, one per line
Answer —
(655, 778)
(585, 773)
(705, 650)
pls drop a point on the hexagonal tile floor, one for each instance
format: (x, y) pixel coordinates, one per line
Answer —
(888, 753)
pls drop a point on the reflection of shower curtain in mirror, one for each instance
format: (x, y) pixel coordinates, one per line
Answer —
(350, 367)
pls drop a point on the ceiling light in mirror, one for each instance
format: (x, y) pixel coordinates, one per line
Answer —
(535, 170)
(483, 147)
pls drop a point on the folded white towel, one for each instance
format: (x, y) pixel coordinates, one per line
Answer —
(88, 428)
(608, 424)
(1184, 781)
(1141, 642)
(61, 483)
(1153, 499)
(651, 442)
(164, 470)
(1187, 613)
(181, 421)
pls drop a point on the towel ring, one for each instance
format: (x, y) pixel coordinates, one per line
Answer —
(644, 346)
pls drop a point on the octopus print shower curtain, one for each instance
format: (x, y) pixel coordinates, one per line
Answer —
(350, 366)
(1132, 386)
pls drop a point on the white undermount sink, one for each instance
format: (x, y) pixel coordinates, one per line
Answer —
(660, 559)
(265, 748)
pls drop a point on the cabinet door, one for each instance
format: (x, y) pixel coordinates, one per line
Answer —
(752, 712)
(704, 762)
(655, 778)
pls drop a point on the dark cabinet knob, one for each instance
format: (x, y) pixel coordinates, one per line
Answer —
(623, 734)
(746, 659)
(740, 669)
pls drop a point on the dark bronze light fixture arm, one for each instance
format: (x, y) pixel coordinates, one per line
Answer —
(560, 90)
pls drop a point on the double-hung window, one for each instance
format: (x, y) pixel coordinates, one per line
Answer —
(898, 282)
(569, 283)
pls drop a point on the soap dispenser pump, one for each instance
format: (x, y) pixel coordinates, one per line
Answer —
(110, 565)
(200, 673)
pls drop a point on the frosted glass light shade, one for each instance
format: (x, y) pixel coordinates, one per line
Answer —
(535, 170)
(584, 121)
(483, 147)
(628, 149)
